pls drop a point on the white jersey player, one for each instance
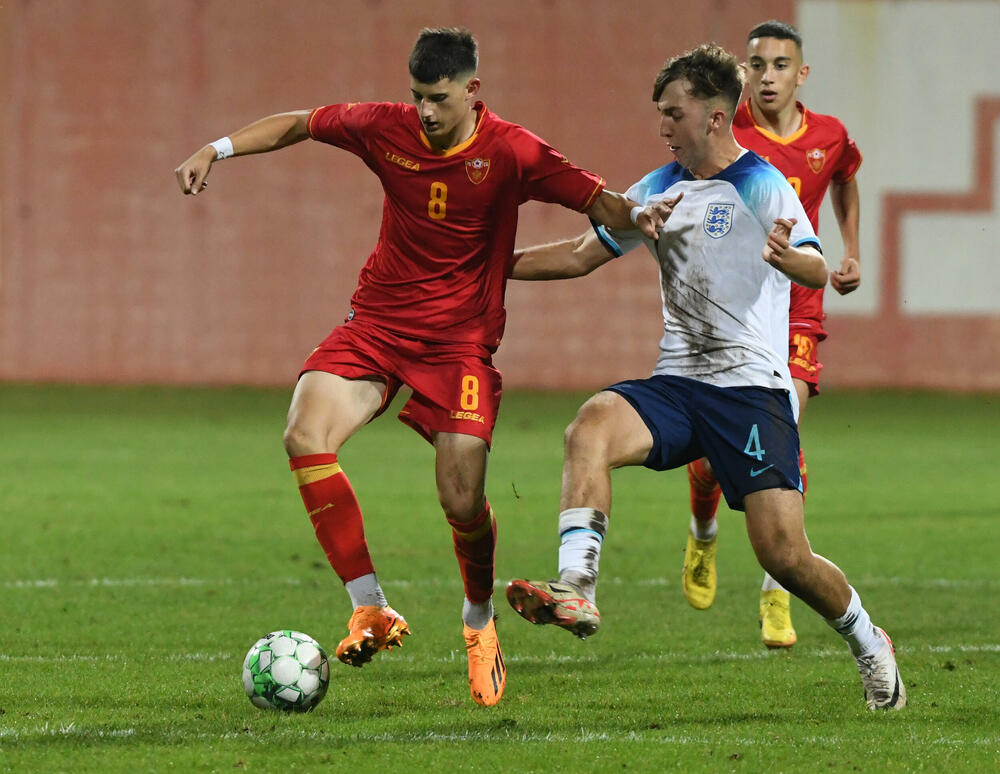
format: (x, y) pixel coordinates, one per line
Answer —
(721, 389)
(725, 311)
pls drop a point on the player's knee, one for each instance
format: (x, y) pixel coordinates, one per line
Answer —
(462, 504)
(580, 439)
(302, 438)
(585, 435)
(784, 565)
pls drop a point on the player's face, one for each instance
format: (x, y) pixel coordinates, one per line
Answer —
(445, 108)
(684, 124)
(774, 72)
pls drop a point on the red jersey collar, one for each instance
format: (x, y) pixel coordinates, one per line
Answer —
(771, 135)
(480, 108)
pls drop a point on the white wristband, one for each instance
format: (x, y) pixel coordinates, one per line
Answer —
(223, 148)
(634, 214)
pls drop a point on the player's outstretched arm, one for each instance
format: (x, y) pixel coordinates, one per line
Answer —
(616, 211)
(266, 134)
(560, 260)
(803, 265)
(847, 208)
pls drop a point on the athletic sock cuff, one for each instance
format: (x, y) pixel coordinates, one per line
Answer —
(473, 530)
(311, 460)
(313, 467)
(588, 519)
(850, 616)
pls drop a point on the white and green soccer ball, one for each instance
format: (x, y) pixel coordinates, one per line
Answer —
(286, 670)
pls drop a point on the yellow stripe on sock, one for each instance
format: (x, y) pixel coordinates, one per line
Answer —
(471, 537)
(315, 472)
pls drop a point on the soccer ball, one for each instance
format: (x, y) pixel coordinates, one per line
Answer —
(286, 670)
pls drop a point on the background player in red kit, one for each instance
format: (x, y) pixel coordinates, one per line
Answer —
(815, 153)
(428, 312)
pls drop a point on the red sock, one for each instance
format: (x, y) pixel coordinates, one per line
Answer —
(334, 511)
(705, 490)
(802, 471)
(475, 546)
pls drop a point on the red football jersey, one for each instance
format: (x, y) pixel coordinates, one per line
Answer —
(449, 220)
(819, 152)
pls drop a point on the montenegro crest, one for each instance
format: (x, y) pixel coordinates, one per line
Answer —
(718, 219)
(816, 158)
(477, 169)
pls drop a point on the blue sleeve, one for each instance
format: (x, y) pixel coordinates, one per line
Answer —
(770, 196)
(616, 241)
(620, 241)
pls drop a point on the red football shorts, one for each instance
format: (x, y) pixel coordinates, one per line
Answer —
(805, 332)
(803, 359)
(456, 388)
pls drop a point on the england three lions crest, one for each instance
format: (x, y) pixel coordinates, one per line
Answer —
(719, 219)
(477, 169)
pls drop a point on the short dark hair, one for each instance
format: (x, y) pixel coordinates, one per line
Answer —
(710, 69)
(776, 29)
(443, 52)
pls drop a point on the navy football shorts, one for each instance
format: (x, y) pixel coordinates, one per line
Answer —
(748, 433)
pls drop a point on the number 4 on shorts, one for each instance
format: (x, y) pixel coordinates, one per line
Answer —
(753, 444)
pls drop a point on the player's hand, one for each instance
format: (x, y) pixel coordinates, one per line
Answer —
(653, 216)
(778, 241)
(848, 279)
(192, 173)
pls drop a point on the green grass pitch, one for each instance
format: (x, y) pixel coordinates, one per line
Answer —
(151, 535)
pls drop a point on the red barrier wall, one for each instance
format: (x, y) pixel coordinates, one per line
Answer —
(107, 273)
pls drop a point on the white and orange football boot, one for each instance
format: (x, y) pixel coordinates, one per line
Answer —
(554, 602)
(884, 688)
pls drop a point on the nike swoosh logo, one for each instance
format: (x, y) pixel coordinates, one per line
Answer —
(755, 473)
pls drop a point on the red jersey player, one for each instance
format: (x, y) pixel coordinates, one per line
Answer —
(428, 312)
(815, 153)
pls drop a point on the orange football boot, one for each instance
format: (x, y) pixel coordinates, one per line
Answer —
(372, 628)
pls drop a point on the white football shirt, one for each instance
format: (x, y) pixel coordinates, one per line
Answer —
(725, 310)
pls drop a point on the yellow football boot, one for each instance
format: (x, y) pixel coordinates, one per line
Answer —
(698, 577)
(776, 629)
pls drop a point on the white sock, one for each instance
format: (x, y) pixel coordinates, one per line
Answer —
(770, 584)
(856, 628)
(476, 615)
(704, 530)
(581, 531)
(365, 591)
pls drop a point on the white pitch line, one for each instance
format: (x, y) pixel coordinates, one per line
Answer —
(52, 583)
(273, 734)
(182, 581)
(68, 658)
(70, 729)
(455, 656)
